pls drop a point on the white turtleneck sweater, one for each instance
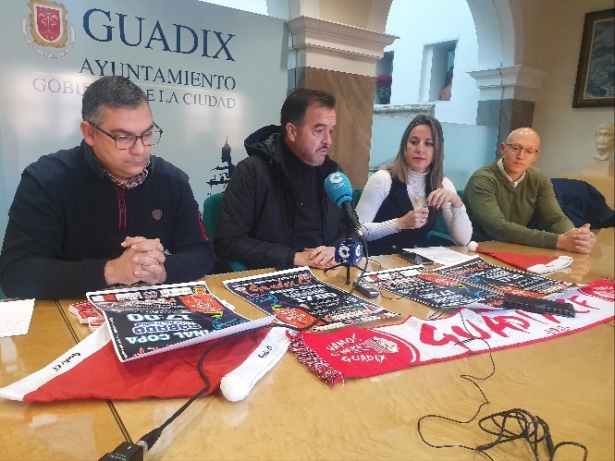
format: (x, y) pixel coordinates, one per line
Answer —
(376, 191)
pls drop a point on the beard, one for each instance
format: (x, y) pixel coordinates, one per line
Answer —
(312, 157)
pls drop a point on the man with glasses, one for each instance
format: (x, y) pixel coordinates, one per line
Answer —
(509, 199)
(106, 212)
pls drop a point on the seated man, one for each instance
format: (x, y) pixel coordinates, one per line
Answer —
(275, 212)
(105, 212)
(507, 196)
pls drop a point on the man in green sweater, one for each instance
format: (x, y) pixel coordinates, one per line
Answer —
(509, 197)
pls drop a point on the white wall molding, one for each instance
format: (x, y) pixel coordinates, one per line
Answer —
(405, 110)
(329, 45)
(514, 82)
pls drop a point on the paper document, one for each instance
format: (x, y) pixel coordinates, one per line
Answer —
(441, 255)
(15, 317)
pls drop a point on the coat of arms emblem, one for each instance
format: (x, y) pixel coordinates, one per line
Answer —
(47, 30)
(48, 25)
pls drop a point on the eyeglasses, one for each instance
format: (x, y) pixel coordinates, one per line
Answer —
(125, 142)
(516, 148)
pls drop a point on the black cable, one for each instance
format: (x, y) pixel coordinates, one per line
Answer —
(532, 429)
(469, 378)
(148, 440)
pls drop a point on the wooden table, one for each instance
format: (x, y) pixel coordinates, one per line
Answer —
(292, 415)
(73, 430)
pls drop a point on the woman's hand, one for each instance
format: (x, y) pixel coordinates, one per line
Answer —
(413, 219)
(440, 197)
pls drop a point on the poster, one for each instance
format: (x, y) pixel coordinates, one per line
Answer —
(472, 283)
(296, 297)
(438, 291)
(506, 280)
(153, 319)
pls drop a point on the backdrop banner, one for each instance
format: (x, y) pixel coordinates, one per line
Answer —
(212, 75)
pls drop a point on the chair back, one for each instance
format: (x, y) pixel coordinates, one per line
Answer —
(356, 196)
(211, 208)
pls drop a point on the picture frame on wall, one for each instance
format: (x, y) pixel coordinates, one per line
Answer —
(595, 84)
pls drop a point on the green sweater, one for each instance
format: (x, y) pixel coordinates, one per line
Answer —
(499, 211)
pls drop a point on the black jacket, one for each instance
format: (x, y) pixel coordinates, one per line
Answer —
(258, 209)
(583, 203)
(68, 219)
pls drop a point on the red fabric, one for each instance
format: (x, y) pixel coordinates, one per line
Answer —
(603, 289)
(167, 375)
(520, 261)
(353, 353)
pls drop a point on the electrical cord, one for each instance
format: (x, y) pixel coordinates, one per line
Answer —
(382, 292)
(148, 440)
(472, 379)
(532, 429)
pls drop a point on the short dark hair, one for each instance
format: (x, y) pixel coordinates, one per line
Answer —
(297, 103)
(112, 91)
(399, 168)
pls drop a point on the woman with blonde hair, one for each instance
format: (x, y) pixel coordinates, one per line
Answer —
(400, 202)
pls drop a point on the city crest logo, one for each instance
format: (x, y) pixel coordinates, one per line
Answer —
(47, 29)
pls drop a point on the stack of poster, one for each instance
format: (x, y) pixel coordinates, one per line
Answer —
(473, 283)
(297, 298)
(153, 319)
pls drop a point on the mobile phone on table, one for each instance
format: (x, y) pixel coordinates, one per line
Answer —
(415, 258)
(366, 290)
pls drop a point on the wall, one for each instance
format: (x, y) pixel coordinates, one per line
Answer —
(253, 6)
(352, 12)
(419, 23)
(567, 134)
(350, 145)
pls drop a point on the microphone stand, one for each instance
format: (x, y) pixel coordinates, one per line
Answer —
(350, 247)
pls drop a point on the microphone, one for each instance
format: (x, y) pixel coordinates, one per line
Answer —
(339, 190)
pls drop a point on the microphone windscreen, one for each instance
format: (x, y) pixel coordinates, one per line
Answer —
(338, 188)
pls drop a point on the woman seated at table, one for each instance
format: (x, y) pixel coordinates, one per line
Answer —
(400, 202)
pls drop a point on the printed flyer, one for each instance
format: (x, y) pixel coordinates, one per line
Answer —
(473, 283)
(153, 319)
(479, 272)
(434, 290)
(296, 297)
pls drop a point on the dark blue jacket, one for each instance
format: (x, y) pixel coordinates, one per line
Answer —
(68, 219)
(583, 203)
